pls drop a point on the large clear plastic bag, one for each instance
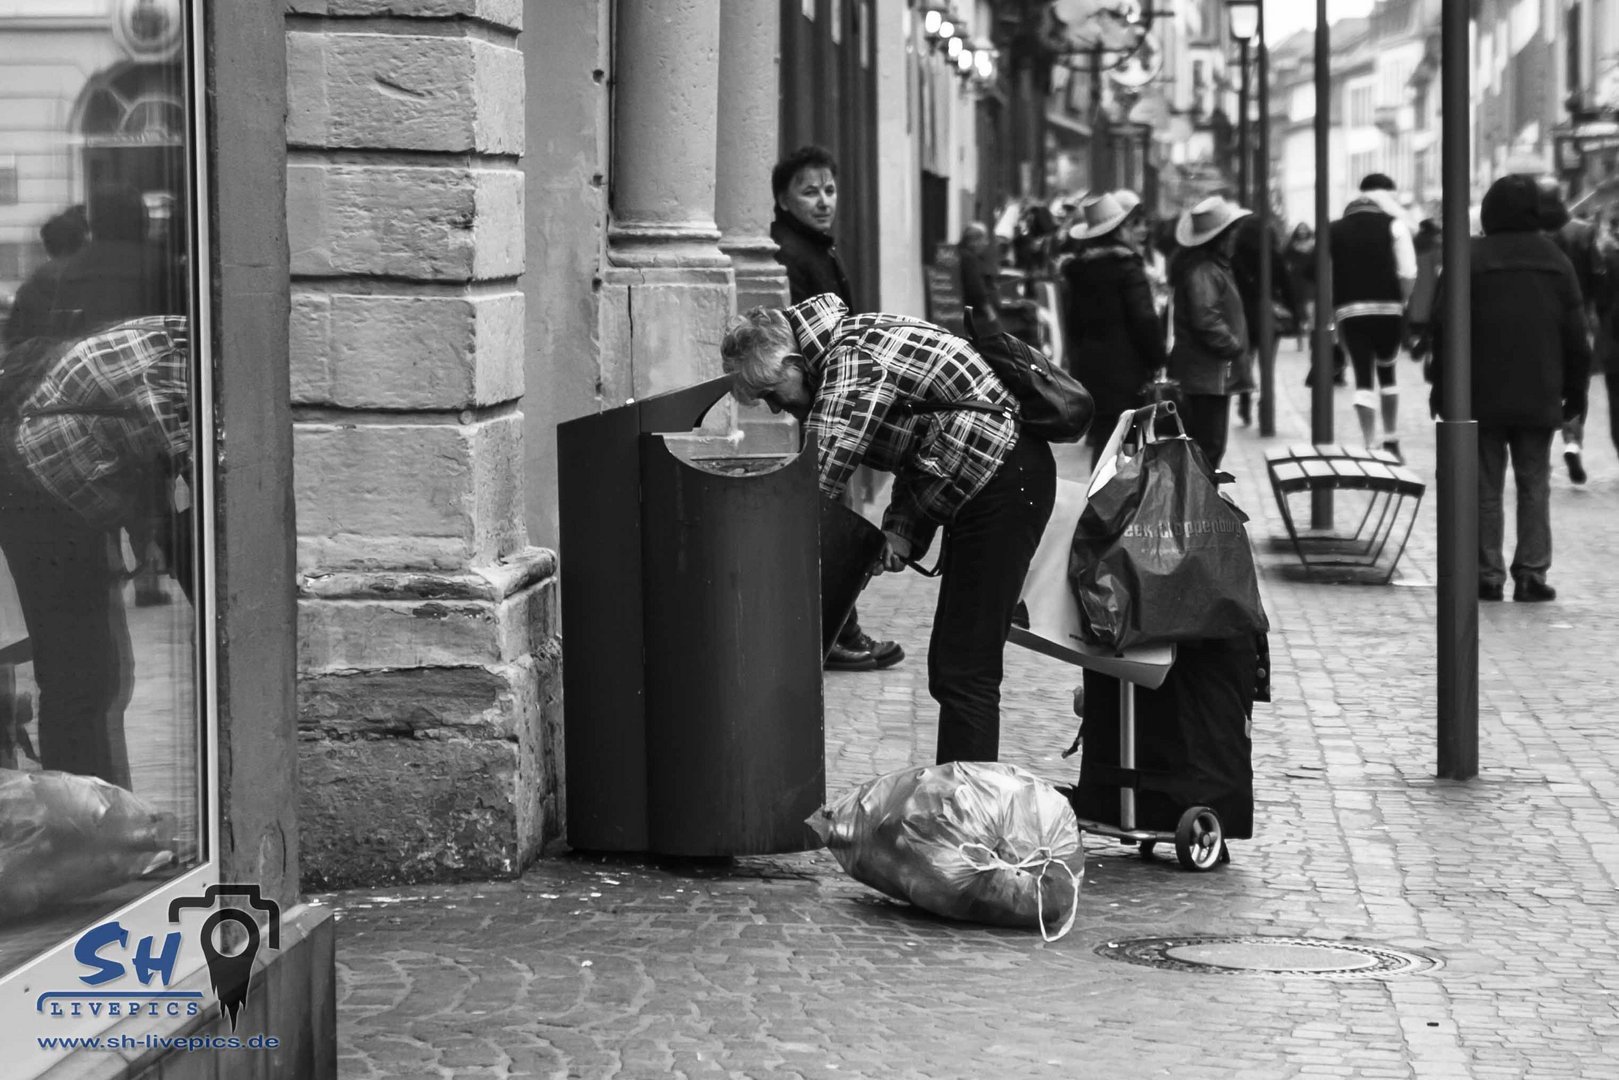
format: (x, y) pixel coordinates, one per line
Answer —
(67, 837)
(978, 841)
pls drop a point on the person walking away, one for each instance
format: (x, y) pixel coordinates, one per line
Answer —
(1252, 234)
(1531, 360)
(980, 276)
(1211, 332)
(1115, 339)
(1606, 346)
(1419, 313)
(805, 187)
(851, 381)
(1298, 263)
(1576, 238)
(1374, 270)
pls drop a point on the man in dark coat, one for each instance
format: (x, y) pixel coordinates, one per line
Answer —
(1531, 367)
(1252, 234)
(805, 186)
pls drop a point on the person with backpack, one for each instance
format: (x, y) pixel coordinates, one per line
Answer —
(912, 399)
(1374, 272)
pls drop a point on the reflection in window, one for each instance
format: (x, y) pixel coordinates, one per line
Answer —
(100, 778)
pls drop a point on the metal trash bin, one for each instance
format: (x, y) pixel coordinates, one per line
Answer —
(692, 611)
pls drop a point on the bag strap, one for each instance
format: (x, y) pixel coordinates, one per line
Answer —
(927, 407)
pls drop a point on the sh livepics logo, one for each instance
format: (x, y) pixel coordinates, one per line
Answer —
(230, 972)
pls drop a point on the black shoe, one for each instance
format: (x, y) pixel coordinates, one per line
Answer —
(1489, 591)
(843, 658)
(1576, 467)
(884, 654)
(1392, 446)
(1530, 590)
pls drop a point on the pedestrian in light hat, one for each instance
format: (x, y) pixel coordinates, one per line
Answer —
(1115, 341)
(1210, 331)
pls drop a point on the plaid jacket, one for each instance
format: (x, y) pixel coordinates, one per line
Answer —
(109, 410)
(865, 370)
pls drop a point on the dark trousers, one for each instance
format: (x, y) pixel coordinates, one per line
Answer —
(1208, 421)
(73, 607)
(987, 549)
(1531, 450)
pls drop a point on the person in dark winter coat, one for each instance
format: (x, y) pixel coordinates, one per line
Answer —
(1252, 234)
(1115, 339)
(1211, 332)
(805, 186)
(1531, 361)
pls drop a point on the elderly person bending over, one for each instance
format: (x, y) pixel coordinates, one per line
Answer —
(960, 459)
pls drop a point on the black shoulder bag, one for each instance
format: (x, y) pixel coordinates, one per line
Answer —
(1051, 403)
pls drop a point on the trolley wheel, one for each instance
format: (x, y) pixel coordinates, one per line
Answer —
(1146, 848)
(1199, 839)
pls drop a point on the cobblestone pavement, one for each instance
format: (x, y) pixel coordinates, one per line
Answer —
(783, 967)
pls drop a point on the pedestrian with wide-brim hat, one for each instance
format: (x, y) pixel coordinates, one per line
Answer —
(1115, 339)
(1209, 328)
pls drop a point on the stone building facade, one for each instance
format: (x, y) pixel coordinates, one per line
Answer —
(503, 215)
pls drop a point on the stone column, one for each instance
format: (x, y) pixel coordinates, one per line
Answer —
(429, 720)
(667, 287)
(749, 126)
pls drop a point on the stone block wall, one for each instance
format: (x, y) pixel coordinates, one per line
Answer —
(429, 656)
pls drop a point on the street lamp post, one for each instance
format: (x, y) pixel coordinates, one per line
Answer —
(1321, 360)
(1457, 431)
(1248, 23)
(1267, 314)
(1244, 16)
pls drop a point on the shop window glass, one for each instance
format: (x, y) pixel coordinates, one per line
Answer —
(103, 787)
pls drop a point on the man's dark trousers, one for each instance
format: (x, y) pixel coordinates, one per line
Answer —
(1531, 451)
(987, 549)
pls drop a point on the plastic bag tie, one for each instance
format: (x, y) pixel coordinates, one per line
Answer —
(1042, 858)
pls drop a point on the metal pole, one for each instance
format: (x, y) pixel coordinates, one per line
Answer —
(1244, 156)
(1457, 478)
(1321, 360)
(1267, 315)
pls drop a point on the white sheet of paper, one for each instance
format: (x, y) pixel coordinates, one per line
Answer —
(1054, 613)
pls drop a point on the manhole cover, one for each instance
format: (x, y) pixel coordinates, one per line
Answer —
(1258, 955)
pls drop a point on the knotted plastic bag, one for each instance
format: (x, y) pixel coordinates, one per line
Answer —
(66, 837)
(971, 840)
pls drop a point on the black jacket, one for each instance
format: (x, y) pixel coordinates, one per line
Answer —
(811, 259)
(1531, 356)
(1252, 233)
(1211, 332)
(1115, 341)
